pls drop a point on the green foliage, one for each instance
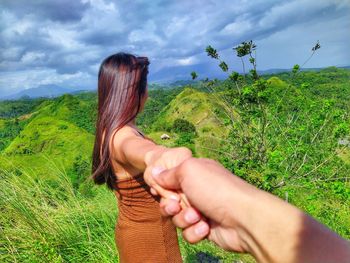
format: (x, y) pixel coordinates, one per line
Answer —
(223, 66)
(183, 126)
(187, 133)
(194, 75)
(80, 112)
(234, 76)
(46, 221)
(211, 52)
(80, 174)
(296, 69)
(158, 100)
(17, 108)
(244, 49)
(186, 140)
(9, 130)
(291, 130)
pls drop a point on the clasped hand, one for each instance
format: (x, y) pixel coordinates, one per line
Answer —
(179, 179)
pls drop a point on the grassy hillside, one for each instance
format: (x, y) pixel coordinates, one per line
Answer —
(201, 109)
(283, 135)
(57, 133)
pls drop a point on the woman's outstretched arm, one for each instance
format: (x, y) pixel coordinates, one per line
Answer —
(136, 153)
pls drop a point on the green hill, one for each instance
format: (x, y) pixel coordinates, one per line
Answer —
(204, 111)
(55, 133)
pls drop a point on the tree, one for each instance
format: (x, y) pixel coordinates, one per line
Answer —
(211, 52)
(194, 75)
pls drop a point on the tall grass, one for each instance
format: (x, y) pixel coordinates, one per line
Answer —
(48, 221)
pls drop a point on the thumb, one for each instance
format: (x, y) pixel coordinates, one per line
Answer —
(168, 179)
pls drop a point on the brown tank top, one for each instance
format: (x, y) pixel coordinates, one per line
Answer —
(142, 234)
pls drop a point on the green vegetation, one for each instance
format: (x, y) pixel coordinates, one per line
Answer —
(45, 220)
(286, 133)
(16, 108)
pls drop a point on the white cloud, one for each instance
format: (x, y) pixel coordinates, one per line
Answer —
(30, 57)
(292, 12)
(62, 36)
(237, 28)
(186, 61)
(293, 45)
(146, 33)
(9, 81)
(11, 53)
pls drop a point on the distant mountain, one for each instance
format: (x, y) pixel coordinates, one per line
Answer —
(172, 74)
(155, 86)
(47, 91)
(170, 85)
(280, 70)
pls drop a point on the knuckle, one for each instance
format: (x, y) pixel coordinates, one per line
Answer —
(185, 151)
(189, 238)
(187, 165)
(187, 169)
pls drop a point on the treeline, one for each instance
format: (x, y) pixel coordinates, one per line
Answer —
(16, 108)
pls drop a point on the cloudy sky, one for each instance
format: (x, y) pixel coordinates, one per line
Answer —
(62, 42)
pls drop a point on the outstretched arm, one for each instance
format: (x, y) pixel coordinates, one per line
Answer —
(136, 153)
(245, 219)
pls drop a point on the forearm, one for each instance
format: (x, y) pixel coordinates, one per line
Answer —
(140, 155)
(275, 231)
(243, 218)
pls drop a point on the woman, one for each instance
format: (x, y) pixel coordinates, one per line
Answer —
(121, 155)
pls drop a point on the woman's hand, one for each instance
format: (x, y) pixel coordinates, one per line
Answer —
(163, 158)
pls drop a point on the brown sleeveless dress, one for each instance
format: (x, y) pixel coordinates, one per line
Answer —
(142, 234)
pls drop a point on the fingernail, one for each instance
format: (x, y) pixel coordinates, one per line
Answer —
(191, 216)
(174, 197)
(201, 229)
(157, 170)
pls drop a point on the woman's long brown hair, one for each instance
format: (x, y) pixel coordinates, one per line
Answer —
(122, 82)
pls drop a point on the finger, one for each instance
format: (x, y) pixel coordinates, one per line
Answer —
(196, 232)
(167, 194)
(168, 179)
(186, 217)
(157, 189)
(169, 207)
(153, 191)
(183, 200)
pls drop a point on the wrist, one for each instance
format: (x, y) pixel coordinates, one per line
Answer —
(153, 154)
(268, 225)
(242, 217)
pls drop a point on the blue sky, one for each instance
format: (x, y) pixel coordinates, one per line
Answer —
(62, 42)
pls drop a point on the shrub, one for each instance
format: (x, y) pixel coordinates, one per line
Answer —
(183, 126)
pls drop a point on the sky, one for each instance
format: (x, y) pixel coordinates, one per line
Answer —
(63, 42)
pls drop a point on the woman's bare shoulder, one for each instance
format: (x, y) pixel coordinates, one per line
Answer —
(124, 133)
(119, 137)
